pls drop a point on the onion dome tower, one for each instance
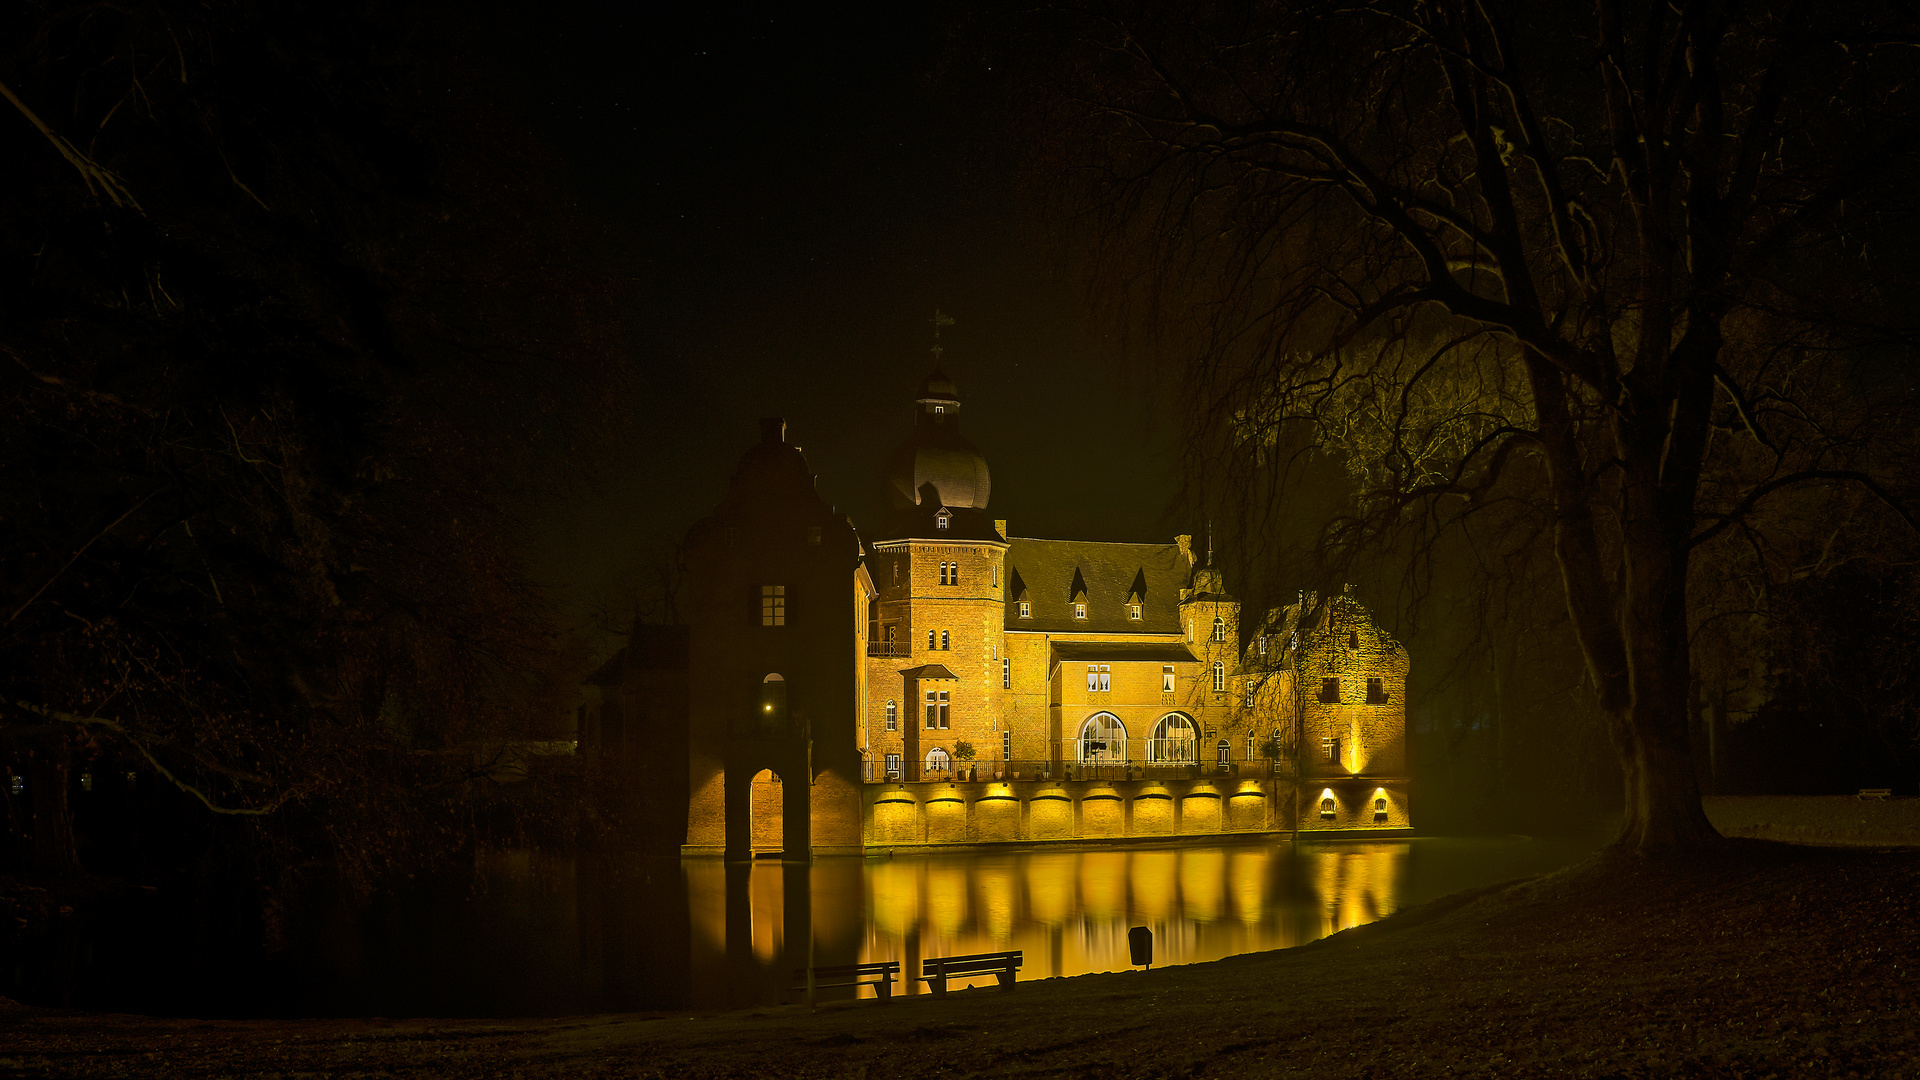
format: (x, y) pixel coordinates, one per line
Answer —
(937, 482)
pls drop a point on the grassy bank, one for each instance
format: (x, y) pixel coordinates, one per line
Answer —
(1817, 819)
(1763, 959)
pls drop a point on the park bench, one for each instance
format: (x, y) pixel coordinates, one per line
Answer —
(1874, 793)
(1000, 965)
(881, 976)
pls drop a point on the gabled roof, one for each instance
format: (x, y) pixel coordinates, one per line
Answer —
(1055, 574)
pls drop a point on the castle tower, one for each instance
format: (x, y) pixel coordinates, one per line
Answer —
(934, 676)
(775, 585)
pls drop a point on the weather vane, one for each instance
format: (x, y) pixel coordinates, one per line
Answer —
(940, 319)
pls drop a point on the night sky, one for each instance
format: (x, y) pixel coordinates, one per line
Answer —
(798, 192)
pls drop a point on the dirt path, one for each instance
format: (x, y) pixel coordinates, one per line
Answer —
(1767, 960)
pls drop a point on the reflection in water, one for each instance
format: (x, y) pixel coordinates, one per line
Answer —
(569, 935)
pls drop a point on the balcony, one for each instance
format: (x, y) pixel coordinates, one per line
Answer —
(897, 649)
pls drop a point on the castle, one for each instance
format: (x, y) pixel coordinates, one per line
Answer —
(948, 682)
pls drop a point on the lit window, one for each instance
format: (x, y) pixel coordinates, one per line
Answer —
(937, 760)
(1006, 746)
(773, 605)
(943, 573)
(1329, 691)
(1093, 678)
(1166, 678)
(994, 572)
(1006, 674)
(1376, 692)
(1260, 645)
(1133, 612)
(1219, 677)
(939, 409)
(1219, 629)
(1330, 748)
(939, 710)
(1379, 811)
(1250, 688)
(1079, 611)
(893, 716)
(1326, 808)
(1026, 610)
(929, 640)
(945, 641)
(1249, 746)
(953, 574)
(943, 519)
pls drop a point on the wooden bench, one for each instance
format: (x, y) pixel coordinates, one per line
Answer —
(881, 976)
(1000, 965)
(1874, 793)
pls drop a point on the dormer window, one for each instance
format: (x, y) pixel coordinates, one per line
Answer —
(1079, 611)
(939, 409)
(943, 520)
(1026, 610)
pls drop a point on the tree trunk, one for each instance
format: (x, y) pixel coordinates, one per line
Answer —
(54, 855)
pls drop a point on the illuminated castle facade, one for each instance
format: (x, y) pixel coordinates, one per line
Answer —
(944, 681)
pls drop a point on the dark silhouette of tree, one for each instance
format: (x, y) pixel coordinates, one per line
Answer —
(1623, 277)
(290, 319)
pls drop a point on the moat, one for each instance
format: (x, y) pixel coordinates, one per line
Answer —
(530, 936)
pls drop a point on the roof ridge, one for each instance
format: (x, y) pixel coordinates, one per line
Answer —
(1112, 543)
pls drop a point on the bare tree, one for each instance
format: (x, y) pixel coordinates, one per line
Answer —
(1624, 270)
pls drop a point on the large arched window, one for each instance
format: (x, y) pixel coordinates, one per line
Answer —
(1103, 738)
(1174, 740)
(937, 760)
(1219, 629)
(1219, 677)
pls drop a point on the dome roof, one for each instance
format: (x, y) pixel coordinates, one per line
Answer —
(935, 453)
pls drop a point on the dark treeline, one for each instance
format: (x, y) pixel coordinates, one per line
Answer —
(291, 321)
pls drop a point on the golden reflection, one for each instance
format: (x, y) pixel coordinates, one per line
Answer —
(947, 898)
(1247, 878)
(1153, 875)
(1103, 883)
(766, 893)
(1201, 871)
(996, 900)
(707, 902)
(1050, 886)
(894, 891)
(1356, 883)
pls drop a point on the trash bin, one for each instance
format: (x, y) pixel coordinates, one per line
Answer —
(1140, 943)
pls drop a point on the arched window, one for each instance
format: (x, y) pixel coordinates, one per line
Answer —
(937, 760)
(1219, 629)
(1174, 740)
(1326, 807)
(893, 715)
(1219, 677)
(1103, 738)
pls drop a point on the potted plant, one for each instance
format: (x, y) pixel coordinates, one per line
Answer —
(963, 751)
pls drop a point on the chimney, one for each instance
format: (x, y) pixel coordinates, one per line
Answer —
(773, 429)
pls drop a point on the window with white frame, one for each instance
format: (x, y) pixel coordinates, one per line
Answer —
(1219, 677)
(1026, 610)
(939, 710)
(1093, 678)
(1249, 746)
(893, 716)
(943, 520)
(994, 576)
(1006, 746)
(943, 573)
(1166, 678)
(930, 640)
(946, 641)
(1219, 629)
(1079, 611)
(953, 573)
(893, 766)
(1251, 685)
(1133, 612)
(773, 605)
(938, 761)
(1006, 673)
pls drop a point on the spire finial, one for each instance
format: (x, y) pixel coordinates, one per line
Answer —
(1209, 543)
(940, 319)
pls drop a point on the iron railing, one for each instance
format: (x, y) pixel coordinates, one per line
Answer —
(875, 771)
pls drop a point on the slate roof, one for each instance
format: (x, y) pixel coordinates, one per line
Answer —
(928, 671)
(1050, 573)
(1120, 652)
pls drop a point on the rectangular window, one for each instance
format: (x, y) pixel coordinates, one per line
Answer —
(1079, 611)
(1166, 678)
(1006, 746)
(1376, 692)
(1026, 610)
(1093, 678)
(945, 641)
(995, 571)
(1250, 688)
(1329, 691)
(1330, 748)
(1133, 612)
(1006, 674)
(953, 573)
(773, 605)
(893, 719)
(1106, 678)
(939, 716)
